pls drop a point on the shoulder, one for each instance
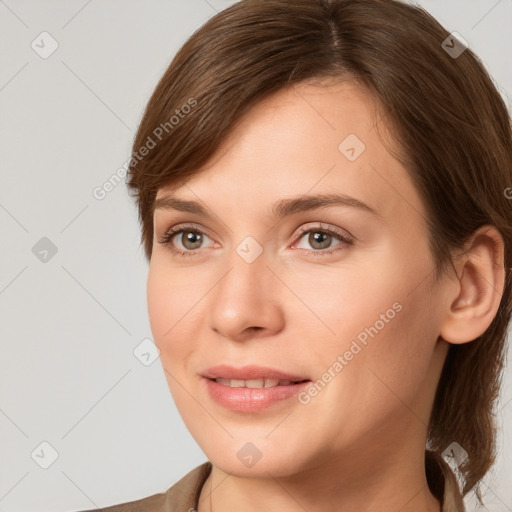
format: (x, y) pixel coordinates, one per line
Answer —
(153, 503)
(182, 496)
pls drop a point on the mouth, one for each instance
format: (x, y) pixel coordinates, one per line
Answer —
(256, 383)
(252, 388)
(252, 376)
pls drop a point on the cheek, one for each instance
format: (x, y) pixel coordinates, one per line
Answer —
(379, 316)
(170, 303)
(160, 304)
(381, 372)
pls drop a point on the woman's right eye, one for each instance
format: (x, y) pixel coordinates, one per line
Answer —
(190, 239)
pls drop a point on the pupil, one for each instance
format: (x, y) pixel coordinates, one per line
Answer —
(190, 236)
(315, 237)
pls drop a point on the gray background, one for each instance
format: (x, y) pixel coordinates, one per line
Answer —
(69, 325)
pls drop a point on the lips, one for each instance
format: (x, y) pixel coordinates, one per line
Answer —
(251, 389)
(252, 373)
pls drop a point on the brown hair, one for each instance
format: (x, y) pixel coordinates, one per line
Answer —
(453, 128)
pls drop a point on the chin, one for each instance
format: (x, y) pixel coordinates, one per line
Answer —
(248, 461)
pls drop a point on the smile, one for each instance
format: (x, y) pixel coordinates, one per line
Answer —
(254, 383)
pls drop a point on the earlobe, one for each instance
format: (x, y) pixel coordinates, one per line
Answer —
(480, 283)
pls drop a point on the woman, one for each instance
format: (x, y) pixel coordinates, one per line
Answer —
(322, 188)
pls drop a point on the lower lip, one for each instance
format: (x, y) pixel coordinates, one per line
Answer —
(251, 399)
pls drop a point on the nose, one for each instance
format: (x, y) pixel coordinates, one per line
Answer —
(246, 302)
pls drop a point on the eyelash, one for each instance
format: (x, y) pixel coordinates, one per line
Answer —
(344, 239)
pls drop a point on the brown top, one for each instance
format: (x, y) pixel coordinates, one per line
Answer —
(183, 496)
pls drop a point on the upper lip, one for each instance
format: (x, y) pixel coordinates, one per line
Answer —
(250, 372)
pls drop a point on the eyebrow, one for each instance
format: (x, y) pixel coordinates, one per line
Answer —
(280, 209)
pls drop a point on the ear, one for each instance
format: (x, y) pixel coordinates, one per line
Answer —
(474, 297)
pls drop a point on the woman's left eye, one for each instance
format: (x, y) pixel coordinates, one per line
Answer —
(319, 238)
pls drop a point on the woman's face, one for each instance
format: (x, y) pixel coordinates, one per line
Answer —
(340, 294)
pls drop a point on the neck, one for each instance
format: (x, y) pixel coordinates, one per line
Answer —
(333, 487)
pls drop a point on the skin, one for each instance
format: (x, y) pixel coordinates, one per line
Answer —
(359, 444)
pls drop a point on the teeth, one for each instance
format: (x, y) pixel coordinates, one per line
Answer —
(253, 383)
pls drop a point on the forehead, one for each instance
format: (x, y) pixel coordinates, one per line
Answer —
(319, 138)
